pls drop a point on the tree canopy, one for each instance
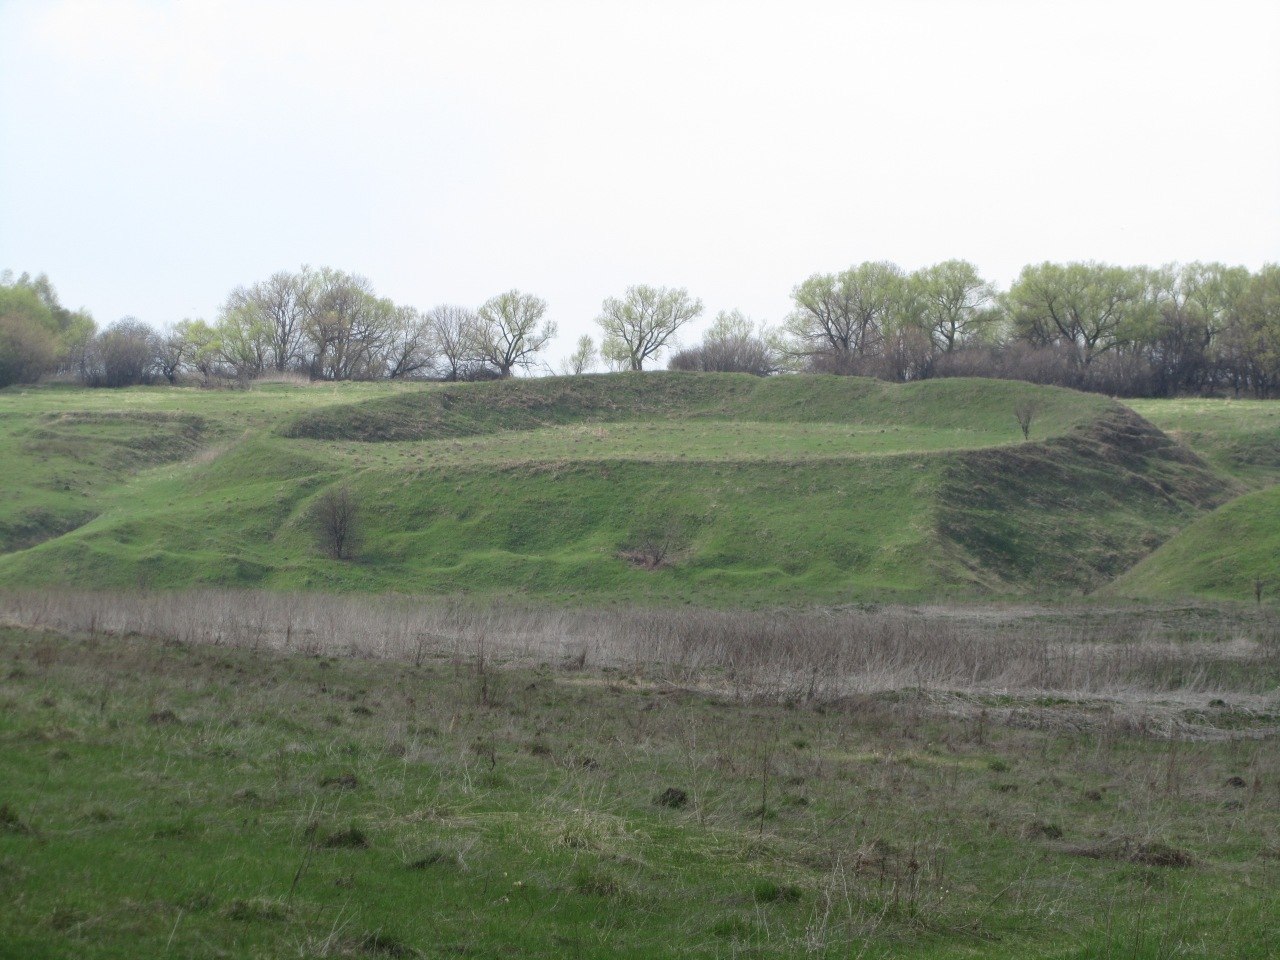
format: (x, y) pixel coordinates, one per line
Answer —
(643, 321)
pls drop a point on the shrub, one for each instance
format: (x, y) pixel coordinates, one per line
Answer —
(26, 350)
(337, 521)
(126, 354)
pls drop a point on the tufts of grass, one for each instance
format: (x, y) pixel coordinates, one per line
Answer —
(902, 848)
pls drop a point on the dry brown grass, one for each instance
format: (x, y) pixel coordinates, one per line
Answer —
(1126, 656)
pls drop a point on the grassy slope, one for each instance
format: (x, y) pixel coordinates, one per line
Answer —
(162, 800)
(772, 491)
(1222, 554)
(55, 463)
(1239, 437)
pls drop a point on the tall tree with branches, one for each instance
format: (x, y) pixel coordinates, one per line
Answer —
(643, 321)
(511, 330)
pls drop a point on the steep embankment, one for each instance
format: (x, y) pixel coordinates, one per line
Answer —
(1224, 554)
(657, 488)
(1231, 551)
(1076, 510)
(57, 463)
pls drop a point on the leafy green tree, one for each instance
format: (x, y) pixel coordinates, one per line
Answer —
(1092, 307)
(347, 326)
(641, 323)
(583, 358)
(203, 347)
(38, 335)
(1211, 296)
(511, 330)
(244, 340)
(28, 336)
(1260, 323)
(842, 317)
(190, 345)
(27, 350)
(955, 305)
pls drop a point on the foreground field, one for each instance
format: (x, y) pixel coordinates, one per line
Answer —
(785, 490)
(263, 777)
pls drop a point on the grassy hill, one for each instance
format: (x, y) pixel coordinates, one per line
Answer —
(785, 490)
(1222, 554)
(1238, 437)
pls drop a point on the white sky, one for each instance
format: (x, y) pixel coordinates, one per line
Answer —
(155, 155)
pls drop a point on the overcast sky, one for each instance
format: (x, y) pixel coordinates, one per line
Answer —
(155, 155)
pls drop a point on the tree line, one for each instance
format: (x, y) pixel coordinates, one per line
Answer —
(1135, 331)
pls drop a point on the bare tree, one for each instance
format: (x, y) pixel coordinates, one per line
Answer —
(1024, 411)
(453, 330)
(410, 348)
(510, 331)
(122, 355)
(734, 344)
(338, 527)
(173, 351)
(640, 324)
(278, 307)
(654, 545)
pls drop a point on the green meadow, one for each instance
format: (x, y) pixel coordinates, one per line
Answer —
(164, 799)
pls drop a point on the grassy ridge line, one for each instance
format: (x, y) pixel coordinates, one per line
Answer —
(1238, 437)
(1078, 509)
(471, 409)
(65, 449)
(751, 532)
(56, 464)
(552, 530)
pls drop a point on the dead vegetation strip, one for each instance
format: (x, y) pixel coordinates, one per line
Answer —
(1034, 668)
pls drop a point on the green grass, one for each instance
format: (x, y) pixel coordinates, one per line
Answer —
(696, 440)
(962, 407)
(163, 800)
(1240, 437)
(1224, 554)
(778, 491)
(63, 447)
(1221, 555)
